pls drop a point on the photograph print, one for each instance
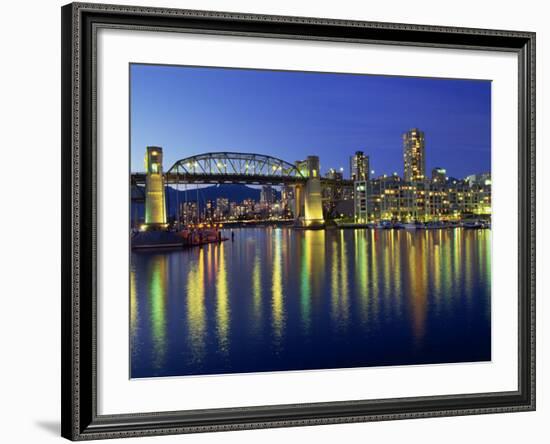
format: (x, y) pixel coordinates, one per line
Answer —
(291, 221)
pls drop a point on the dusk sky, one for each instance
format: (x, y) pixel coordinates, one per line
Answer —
(290, 115)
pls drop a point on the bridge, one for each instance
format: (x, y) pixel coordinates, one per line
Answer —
(228, 167)
(234, 168)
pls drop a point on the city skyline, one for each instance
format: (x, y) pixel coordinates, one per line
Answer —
(324, 116)
(418, 196)
(296, 221)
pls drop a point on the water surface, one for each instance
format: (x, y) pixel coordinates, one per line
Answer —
(283, 299)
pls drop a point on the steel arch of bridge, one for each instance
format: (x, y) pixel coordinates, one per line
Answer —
(236, 166)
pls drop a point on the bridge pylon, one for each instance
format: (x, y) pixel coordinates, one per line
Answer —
(155, 201)
(308, 200)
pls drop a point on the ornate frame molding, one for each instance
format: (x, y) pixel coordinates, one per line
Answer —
(80, 22)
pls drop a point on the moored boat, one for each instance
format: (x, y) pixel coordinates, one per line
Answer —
(472, 224)
(384, 225)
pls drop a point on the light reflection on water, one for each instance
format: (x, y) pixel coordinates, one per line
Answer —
(282, 299)
(196, 312)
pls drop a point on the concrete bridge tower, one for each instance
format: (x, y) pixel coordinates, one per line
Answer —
(155, 203)
(308, 201)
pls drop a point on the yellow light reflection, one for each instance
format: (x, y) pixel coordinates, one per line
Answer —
(305, 277)
(344, 277)
(469, 265)
(340, 285)
(418, 279)
(134, 307)
(457, 264)
(210, 270)
(316, 248)
(222, 303)
(388, 240)
(157, 302)
(396, 264)
(334, 277)
(447, 283)
(196, 315)
(361, 272)
(374, 274)
(435, 265)
(277, 289)
(257, 289)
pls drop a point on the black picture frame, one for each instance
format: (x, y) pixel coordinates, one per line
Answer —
(79, 210)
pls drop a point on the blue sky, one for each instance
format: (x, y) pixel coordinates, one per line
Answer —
(193, 110)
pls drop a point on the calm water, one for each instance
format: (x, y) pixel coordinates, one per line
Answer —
(284, 299)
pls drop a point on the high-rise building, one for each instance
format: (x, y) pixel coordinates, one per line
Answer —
(266, 195)
(359, 166)
(332, 191)
(188, 212)
(209, 210)
(413, 155)
(439, 175)
(222, 207)
(248, 205)
(287, 199)
(360, 204)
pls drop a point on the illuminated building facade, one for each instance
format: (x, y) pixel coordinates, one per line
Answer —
(209, 210)
(222, 208)
(287, 200)
(189, 212)
(332, 191)
(360, 204)
(479, 179)
(418, 198)
(413, 156)
(359, 166)
(439, 175)
(392, 198)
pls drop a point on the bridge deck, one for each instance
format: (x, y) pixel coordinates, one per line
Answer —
(246, 179)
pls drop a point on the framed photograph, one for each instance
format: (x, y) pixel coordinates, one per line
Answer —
(281, 221)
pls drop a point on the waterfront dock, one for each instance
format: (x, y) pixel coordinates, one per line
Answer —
(185, 238)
